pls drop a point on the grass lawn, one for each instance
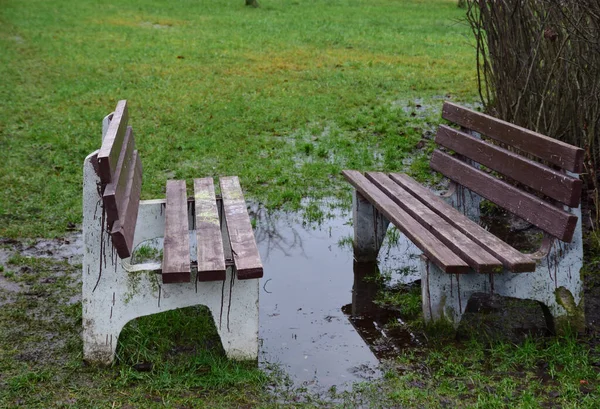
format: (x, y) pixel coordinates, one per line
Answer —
(285, 96)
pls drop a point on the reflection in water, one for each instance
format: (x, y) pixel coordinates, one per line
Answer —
(511, 229)
(308, 278)
(381, 328)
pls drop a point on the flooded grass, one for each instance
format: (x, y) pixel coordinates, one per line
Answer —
(315, 88)
(334, 333)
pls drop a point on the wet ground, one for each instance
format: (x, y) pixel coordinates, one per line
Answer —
(312, 323)
(318, 319)
(69, 249)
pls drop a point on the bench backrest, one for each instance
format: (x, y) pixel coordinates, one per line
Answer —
(120, 170)
(540, 191)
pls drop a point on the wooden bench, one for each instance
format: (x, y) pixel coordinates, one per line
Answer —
(209, 255)
(530, 175)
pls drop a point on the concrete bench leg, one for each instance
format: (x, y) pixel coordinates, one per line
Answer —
(112, 296)
(556, 283)
(370, 228)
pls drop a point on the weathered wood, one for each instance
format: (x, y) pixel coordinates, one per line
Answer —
(551, 183)
(108, 156)
(437, 251)
(123, 229)
(176, 248)
(115, 191)
(554, 151)
(211, 259)
(512, 259)
(555, 221)
(476, 256)
(245, 253)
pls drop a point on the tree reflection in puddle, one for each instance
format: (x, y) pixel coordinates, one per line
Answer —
(307, 326)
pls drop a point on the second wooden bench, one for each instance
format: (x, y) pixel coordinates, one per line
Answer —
(461, 257)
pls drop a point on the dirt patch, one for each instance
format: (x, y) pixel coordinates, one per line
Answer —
(68, 248)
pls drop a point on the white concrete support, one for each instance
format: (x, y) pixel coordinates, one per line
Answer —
(464, 200)
(556, 282)
(370, 228)
(114, 292)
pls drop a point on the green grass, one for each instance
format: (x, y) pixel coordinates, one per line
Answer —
(285, 96)
(172, 359)
(558, 372)
(175, 360)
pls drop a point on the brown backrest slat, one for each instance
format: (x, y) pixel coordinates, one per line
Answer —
(115, 191)
(245, 253)
(431, 246)
(176, 248)
(555, 221)
(123, 229)
(110, 150)
(512, 258)
(478, 258)
(551, 150)
(211, 259)
(551, 183)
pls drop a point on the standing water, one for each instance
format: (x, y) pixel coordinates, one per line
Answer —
(308, 311)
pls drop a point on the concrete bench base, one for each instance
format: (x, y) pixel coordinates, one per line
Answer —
(556, 282)
(114, 292)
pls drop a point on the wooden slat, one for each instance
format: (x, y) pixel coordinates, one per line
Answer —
(211, 259)
(555, 221)
(108, 156)
(556, 152)
(551, 183)
(245, 253)
(115, 191)
(512, 259)
(476, 256)
(431, 246)
(176, 248)
(124, 228)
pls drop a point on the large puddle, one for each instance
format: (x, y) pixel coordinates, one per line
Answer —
(318, 321)
(312, 324)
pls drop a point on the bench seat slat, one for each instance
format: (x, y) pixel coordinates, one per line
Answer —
(512, 259)
(115, 192)
(245, 253)
(551, 219)
(433, 248)
(176, 248)
(551, 183)
(211, 258)
(123, 229)
(477, 257)
(558, 153)
(108, 155)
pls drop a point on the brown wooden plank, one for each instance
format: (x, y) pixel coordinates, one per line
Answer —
(431, 246)
(123, 229)
(555, 221)
(176, 248)
(211, 259)
(115, 191)
(562, 154)
(512, 258)
(551, 183)
(108, 156)
(245, 253)
(475, 255)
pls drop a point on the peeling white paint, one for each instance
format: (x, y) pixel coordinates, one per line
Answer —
(445, 296)
(109, 302)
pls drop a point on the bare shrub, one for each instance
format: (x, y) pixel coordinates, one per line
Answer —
(539, 67)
